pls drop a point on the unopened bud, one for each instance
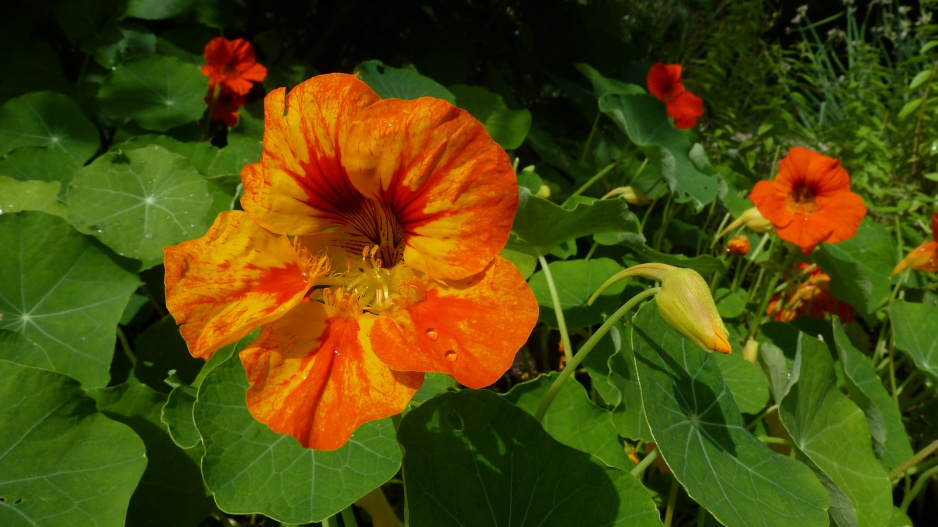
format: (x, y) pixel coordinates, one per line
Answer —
(686, 304)
(630, 194)
(751, 351)
(753, 220)
(738, 245)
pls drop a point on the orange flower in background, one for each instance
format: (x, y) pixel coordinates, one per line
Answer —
(923, 258)
(226, 107)
(809, 201)
(231, 64)
(664, 82)
(811, 298)
(738, 245)
(368, 254)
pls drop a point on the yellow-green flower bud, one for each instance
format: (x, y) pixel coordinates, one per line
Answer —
(751, 351)
(630, 194)
(686, 304)
(752, 219)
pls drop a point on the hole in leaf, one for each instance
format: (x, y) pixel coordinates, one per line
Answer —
(18, 501)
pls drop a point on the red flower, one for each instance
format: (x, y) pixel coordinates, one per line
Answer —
(664, 82)
(811, 298)
(231, 64)
(923, 258)
(809, 201)
(226, 107)
(738, 245)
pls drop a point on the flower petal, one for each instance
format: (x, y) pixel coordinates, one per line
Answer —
(470, 331)
(299, 186)
(840, 213)
(822, 174)
(225, 284)
(314, 376)
(436, 169)
(772, 202)
(664, 81)
(685, 109)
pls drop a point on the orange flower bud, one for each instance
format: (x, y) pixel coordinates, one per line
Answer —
(686, 304)
(738, 245)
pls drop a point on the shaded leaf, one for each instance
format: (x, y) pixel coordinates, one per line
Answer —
(474, 459)
(62, 462)
(39, 163)
(700, 432)
(745, 380)
(62, 291)
(576, 281)
(507, 127)
(400, 83)
(860, 267)
(47, 119)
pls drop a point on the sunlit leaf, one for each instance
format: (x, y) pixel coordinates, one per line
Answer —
(700, 432)
(576, 281)
(860, 267)
(139, 201)
(745, 380)
(16, 196)
(62, 462)
(64, 292)
(474, 459)
(832, 432)
(400, 83)
(39, 163)
(916, 330)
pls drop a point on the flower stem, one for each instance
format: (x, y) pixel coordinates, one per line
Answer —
(558, 311)
(587, 347)
(643, 464)
(914, 460)
(672, 500)
(331, 521)
(348, 517)
(920, 483)
(125, 345)
(599, 175)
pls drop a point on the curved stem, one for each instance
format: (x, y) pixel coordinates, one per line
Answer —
(348, 517)
(643, 464)
(587, 347)
(599, 175)
(558, 311)
(672, 500)
(914, 460)
(125, 345)
(920, 483)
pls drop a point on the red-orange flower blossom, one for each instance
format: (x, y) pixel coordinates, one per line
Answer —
(923, 258)
(664, 82)
(232, 70)
(738, 245)
(809, 201)
(368, 254)
(812, 298)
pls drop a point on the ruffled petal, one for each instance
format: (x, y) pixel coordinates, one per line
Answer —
(299, 186)
(470, 331)
(314, 376)
(840, 214)
(664, 81)
(230, 281)
(437, 171)
(772, 203)
(805, 231)
(685, 109)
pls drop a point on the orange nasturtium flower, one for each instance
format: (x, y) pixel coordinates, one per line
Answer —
(738, 245)
(367, 252)
(231, 64)
(923, 258)
(812, 298)
(809, 201)
(664, 82)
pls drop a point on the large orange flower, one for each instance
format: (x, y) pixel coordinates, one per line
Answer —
(231, 64)
(664, 82)
(923, 258)
(809, 201)
(367, 252)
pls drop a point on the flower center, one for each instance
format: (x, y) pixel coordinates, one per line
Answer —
(801, 199)
(365, 284)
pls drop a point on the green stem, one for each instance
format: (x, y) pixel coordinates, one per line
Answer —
(672, 499)
(599, 175)
(914, 460)
(348, 517)
(589, 139)
(331, 521)
(774, 440)
(760, 314)
(920, 483)
(587, 347)
(761, 416)
(125, 345)
(643, 464)
(561, 323)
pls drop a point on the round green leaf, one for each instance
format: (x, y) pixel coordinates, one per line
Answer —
(251, 469)
(64, 292)
(700, 432)
(30, 195)
(47, 119)
(62, 464)
(916, 327)
(30, 163)
(139, 201)
(157, 93)
(747, 383)
(472, 458)
(860, 267)
(507, 127)
(399, 83)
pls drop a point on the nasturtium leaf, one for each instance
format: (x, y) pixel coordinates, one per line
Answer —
(63, 464)
(576, 281)
(540, 225)
(668, 150)
(916, 330)
(157, 93)
(700, 432)
(161, 350)
(703, 264)
(400, 83)
(39, 163)
(186, 43)
(229, 161)
(62, 291)
(730, 304)
(471, 458)
(177, 416)
(611, 367)
(200, 155)
(17, 196)
(573, 419)
(860, 266)
(47, 119)
(85, 21)
(832, 432)
(156, 9)
(525, 263)
(603, 85)
(130, 40)
(745, 380)
(507, 127)
(433, 383)
(251, 469)
(29, 65)
(172, 474)
(866, 390)
(777, 344)
(139, 201)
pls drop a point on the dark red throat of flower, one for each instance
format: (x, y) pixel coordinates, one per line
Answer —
(801, 199)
